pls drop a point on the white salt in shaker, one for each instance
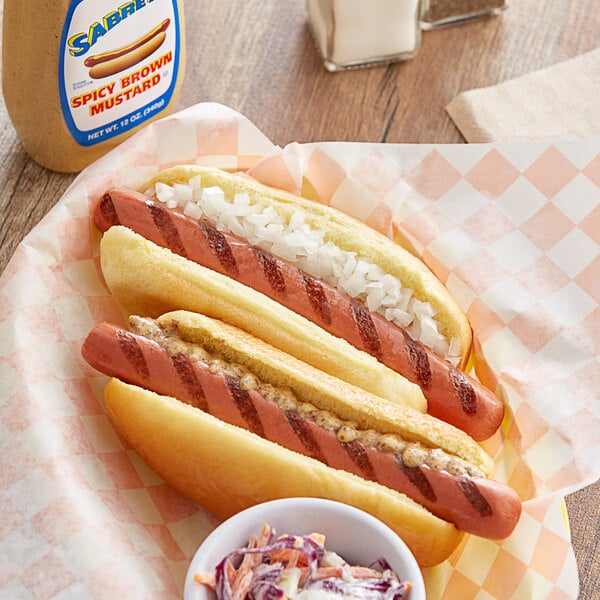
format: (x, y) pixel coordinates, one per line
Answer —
(359, 33)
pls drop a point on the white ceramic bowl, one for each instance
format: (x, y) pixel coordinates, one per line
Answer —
(357, 536)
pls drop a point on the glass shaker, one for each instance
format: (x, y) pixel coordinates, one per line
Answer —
(439, 13)
(359, 33)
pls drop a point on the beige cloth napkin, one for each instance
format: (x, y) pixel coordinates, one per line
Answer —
(561, 102)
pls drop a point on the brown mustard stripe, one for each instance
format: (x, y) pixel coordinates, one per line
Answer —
(465, 392)
(244, 404)
(185, 371)
(418, 478)
(419, 360)
(357, 452)
(164, 222)
(270, 267)
(132, 352)
(317, 297)
(107, 210)
(473, 494)
(366, 329)
(220, 247)
(301, 429)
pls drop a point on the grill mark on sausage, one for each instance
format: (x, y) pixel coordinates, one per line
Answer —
(271, 269)
(185, 371)
(163, 221)
(317, 297)
(302, 430)
(464, 391)
(366, 329)
(244, 404)
(220, 247)
(473, 494)
(132, 352)
(108, 211)
(418, 478)
(419, 360)
(357, 452)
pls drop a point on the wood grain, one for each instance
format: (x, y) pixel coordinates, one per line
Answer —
(259, 58)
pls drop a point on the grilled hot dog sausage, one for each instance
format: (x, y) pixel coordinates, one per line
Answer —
(447, 486)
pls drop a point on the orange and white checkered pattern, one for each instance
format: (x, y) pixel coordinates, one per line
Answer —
(513, 230)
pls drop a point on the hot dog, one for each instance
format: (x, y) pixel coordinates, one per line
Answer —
(119, 59)
(229, 377)
(320, 297)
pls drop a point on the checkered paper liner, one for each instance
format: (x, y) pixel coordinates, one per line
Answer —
(513, 231)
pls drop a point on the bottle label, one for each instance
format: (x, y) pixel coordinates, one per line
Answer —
(118, 65)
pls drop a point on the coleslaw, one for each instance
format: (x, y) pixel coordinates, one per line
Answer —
(299, 567)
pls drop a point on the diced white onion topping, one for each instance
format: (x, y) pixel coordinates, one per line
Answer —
(297, 243)
(192, 210)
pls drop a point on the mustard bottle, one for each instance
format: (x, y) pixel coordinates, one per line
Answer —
(80, 76)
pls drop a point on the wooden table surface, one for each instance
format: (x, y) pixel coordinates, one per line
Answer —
(257, 56)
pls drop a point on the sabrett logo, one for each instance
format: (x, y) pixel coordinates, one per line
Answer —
(80, 43)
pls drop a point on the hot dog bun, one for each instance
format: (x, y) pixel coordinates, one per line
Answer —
(146, 279)
(226, 469)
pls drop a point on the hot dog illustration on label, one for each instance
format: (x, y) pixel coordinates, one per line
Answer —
(117, 60)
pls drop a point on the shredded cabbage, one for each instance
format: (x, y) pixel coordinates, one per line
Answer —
(324, 575)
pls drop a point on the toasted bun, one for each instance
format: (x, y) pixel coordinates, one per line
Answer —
(226, 469)
(146, 279)
(329, 393)
(349, 234)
